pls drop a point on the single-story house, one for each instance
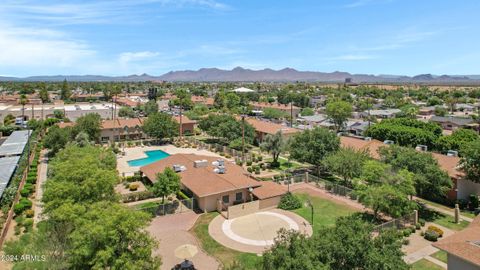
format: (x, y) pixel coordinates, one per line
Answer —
(211, 183)
(358, 127)
(263, 128)
(286, 108)
(453, 123)
(312, 120)
(383, 114)
(463, 248)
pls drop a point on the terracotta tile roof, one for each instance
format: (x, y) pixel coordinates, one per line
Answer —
(122, 122)
(449, 164)
(277, 106)
(270, 128)
(269, 189)
(464, 244)
(126, 102)
(203, 100)
(185, 120)
(371, 146)
(65, 124)
(202, 181)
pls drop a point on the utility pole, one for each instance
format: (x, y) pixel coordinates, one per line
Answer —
(291, 113)
(243, 137)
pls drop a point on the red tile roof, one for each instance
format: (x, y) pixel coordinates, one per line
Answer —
(464, 244)
(203, 181)
(269, 127)
(277, 106)
(269, 189)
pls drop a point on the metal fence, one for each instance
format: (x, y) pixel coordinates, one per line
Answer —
(397, 223)
(218, 148)
(169, 208)
(332, 187)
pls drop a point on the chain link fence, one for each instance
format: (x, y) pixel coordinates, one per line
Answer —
(397, 223)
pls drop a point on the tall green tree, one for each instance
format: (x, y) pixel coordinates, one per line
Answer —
(275, 145)
(91, 124)
(456, 140)
(65, 92)
(470, 161)
(160, 126)
(151, 107)
(346, 163)
(168, 182)
(43, 93)
(312, 146)
(56, 138)
(338, 112)
(226, 128)
(350, 244)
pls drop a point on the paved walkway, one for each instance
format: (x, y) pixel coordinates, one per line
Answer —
(42, 178)
(437, 262)
(444, 211)
(172, 231)
(144, 201)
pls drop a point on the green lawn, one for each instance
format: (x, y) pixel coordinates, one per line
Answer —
(423, 264)
(225, 255)
(441, 219)
(285, 165)
(325, 211)
(440, 255)
(465, 213)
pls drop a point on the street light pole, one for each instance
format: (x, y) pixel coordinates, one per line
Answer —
(309, 204)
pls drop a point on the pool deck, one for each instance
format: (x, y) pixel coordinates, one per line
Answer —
(139, 152)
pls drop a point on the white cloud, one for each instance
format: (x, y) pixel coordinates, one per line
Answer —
(127, 57)
(28, 47)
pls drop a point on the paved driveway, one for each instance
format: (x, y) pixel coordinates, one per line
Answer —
(172, 231)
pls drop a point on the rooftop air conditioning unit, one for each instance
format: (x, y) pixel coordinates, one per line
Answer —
(179, 168)
(367, 138)
(219, 170)
(218, 162)
(200, 163)
(388, 142)
(421, 147)
(452, 153)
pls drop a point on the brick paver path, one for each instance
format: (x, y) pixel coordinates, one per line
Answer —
(172, 231)
(42, 178)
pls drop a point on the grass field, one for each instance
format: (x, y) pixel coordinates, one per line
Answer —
(465, 213)
(442, 219)
(325, 211)
(423, 264)
(440, 255)
(225, 255)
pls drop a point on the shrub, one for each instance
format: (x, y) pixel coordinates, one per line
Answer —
(418, 226)
(26, 202)
(25, 192)
(227, 156)
(31, 180)
(289, 202)
(407, 232)
(406, 242)
(28, 223)
(249, 162)
(249, 169)
(462, 203)
(473, 202)
(18, 208)
(431, 236)
(29, 213)
(413, 229)
(422, 222)
(435, 229)
(259, 158)
(422, 233)
(133, 186)
(17, 230)
(257, 170)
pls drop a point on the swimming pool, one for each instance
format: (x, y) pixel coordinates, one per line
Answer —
(152, 156)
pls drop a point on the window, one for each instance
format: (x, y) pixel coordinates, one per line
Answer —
(226, 199)
(239, 196)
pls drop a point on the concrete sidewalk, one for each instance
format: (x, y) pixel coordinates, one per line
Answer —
(444, 211)
(41, 179)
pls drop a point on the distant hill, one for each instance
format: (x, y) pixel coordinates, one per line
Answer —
(240, 74)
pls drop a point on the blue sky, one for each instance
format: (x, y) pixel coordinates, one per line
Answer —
(125, 37)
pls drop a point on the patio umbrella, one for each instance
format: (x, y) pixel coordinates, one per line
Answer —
(186, 251)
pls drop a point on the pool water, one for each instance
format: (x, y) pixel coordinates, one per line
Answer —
(152, 156)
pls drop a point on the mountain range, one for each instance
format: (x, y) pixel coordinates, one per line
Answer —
(240, 74)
